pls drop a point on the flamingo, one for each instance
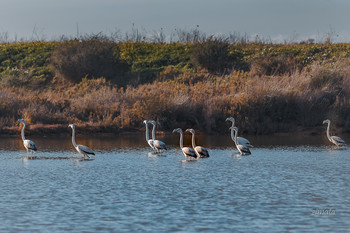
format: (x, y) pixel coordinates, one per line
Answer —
(200, 151)
(187, 151)
(158, 145)
(334, 139)
(84, 150)
(28, 144)
(240, 140)
(243, 149)
(149, 141)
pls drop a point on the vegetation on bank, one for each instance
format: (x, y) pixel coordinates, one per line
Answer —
(111, 86)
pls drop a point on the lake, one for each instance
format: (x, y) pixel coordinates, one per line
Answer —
(288, 184)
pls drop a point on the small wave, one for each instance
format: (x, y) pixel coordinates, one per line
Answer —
(54, 158)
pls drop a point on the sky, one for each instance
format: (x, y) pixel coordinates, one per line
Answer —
(277, 20)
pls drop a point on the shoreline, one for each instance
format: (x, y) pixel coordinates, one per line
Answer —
(61, 130)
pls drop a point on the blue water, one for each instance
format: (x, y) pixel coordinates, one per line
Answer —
(288, 188)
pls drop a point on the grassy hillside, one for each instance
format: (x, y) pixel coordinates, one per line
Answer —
(108, 86)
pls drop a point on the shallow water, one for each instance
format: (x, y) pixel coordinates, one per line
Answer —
(287, 184)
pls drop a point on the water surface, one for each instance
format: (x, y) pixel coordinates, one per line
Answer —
(287, 184)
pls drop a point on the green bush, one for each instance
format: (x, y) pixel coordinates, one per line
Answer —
(26, 64)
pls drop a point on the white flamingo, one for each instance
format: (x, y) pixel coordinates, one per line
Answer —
(187, 151)
(158, 144)
(240, 140)
(200, 151)
(243, 149)
(334, 139)
(28, 144)
(84, 150)
(149, 141)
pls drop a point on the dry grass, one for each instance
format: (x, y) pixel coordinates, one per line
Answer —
(260, 104)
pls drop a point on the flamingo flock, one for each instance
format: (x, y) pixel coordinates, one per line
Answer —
(243, 145)
(195, 152)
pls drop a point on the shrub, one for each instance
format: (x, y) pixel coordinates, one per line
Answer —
(92, 58)
(274, 65)
(212, 55)
(332, 76)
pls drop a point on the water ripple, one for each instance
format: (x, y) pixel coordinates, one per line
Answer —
(274, 189)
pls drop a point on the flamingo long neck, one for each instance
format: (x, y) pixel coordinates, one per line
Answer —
(73, 137)
(233, 135)
(147, 132)
(154, 132)
(22, 133)
(236, 130)
(328, 136)
(181, 140)
(193, 140)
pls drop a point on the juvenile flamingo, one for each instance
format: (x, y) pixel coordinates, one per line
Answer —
(84, 150)
(240, 140)
(187, 151)
(28, 144)
(333, 139)
(243, 149)
(200, 151)
(148, 140)
(158, 144)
